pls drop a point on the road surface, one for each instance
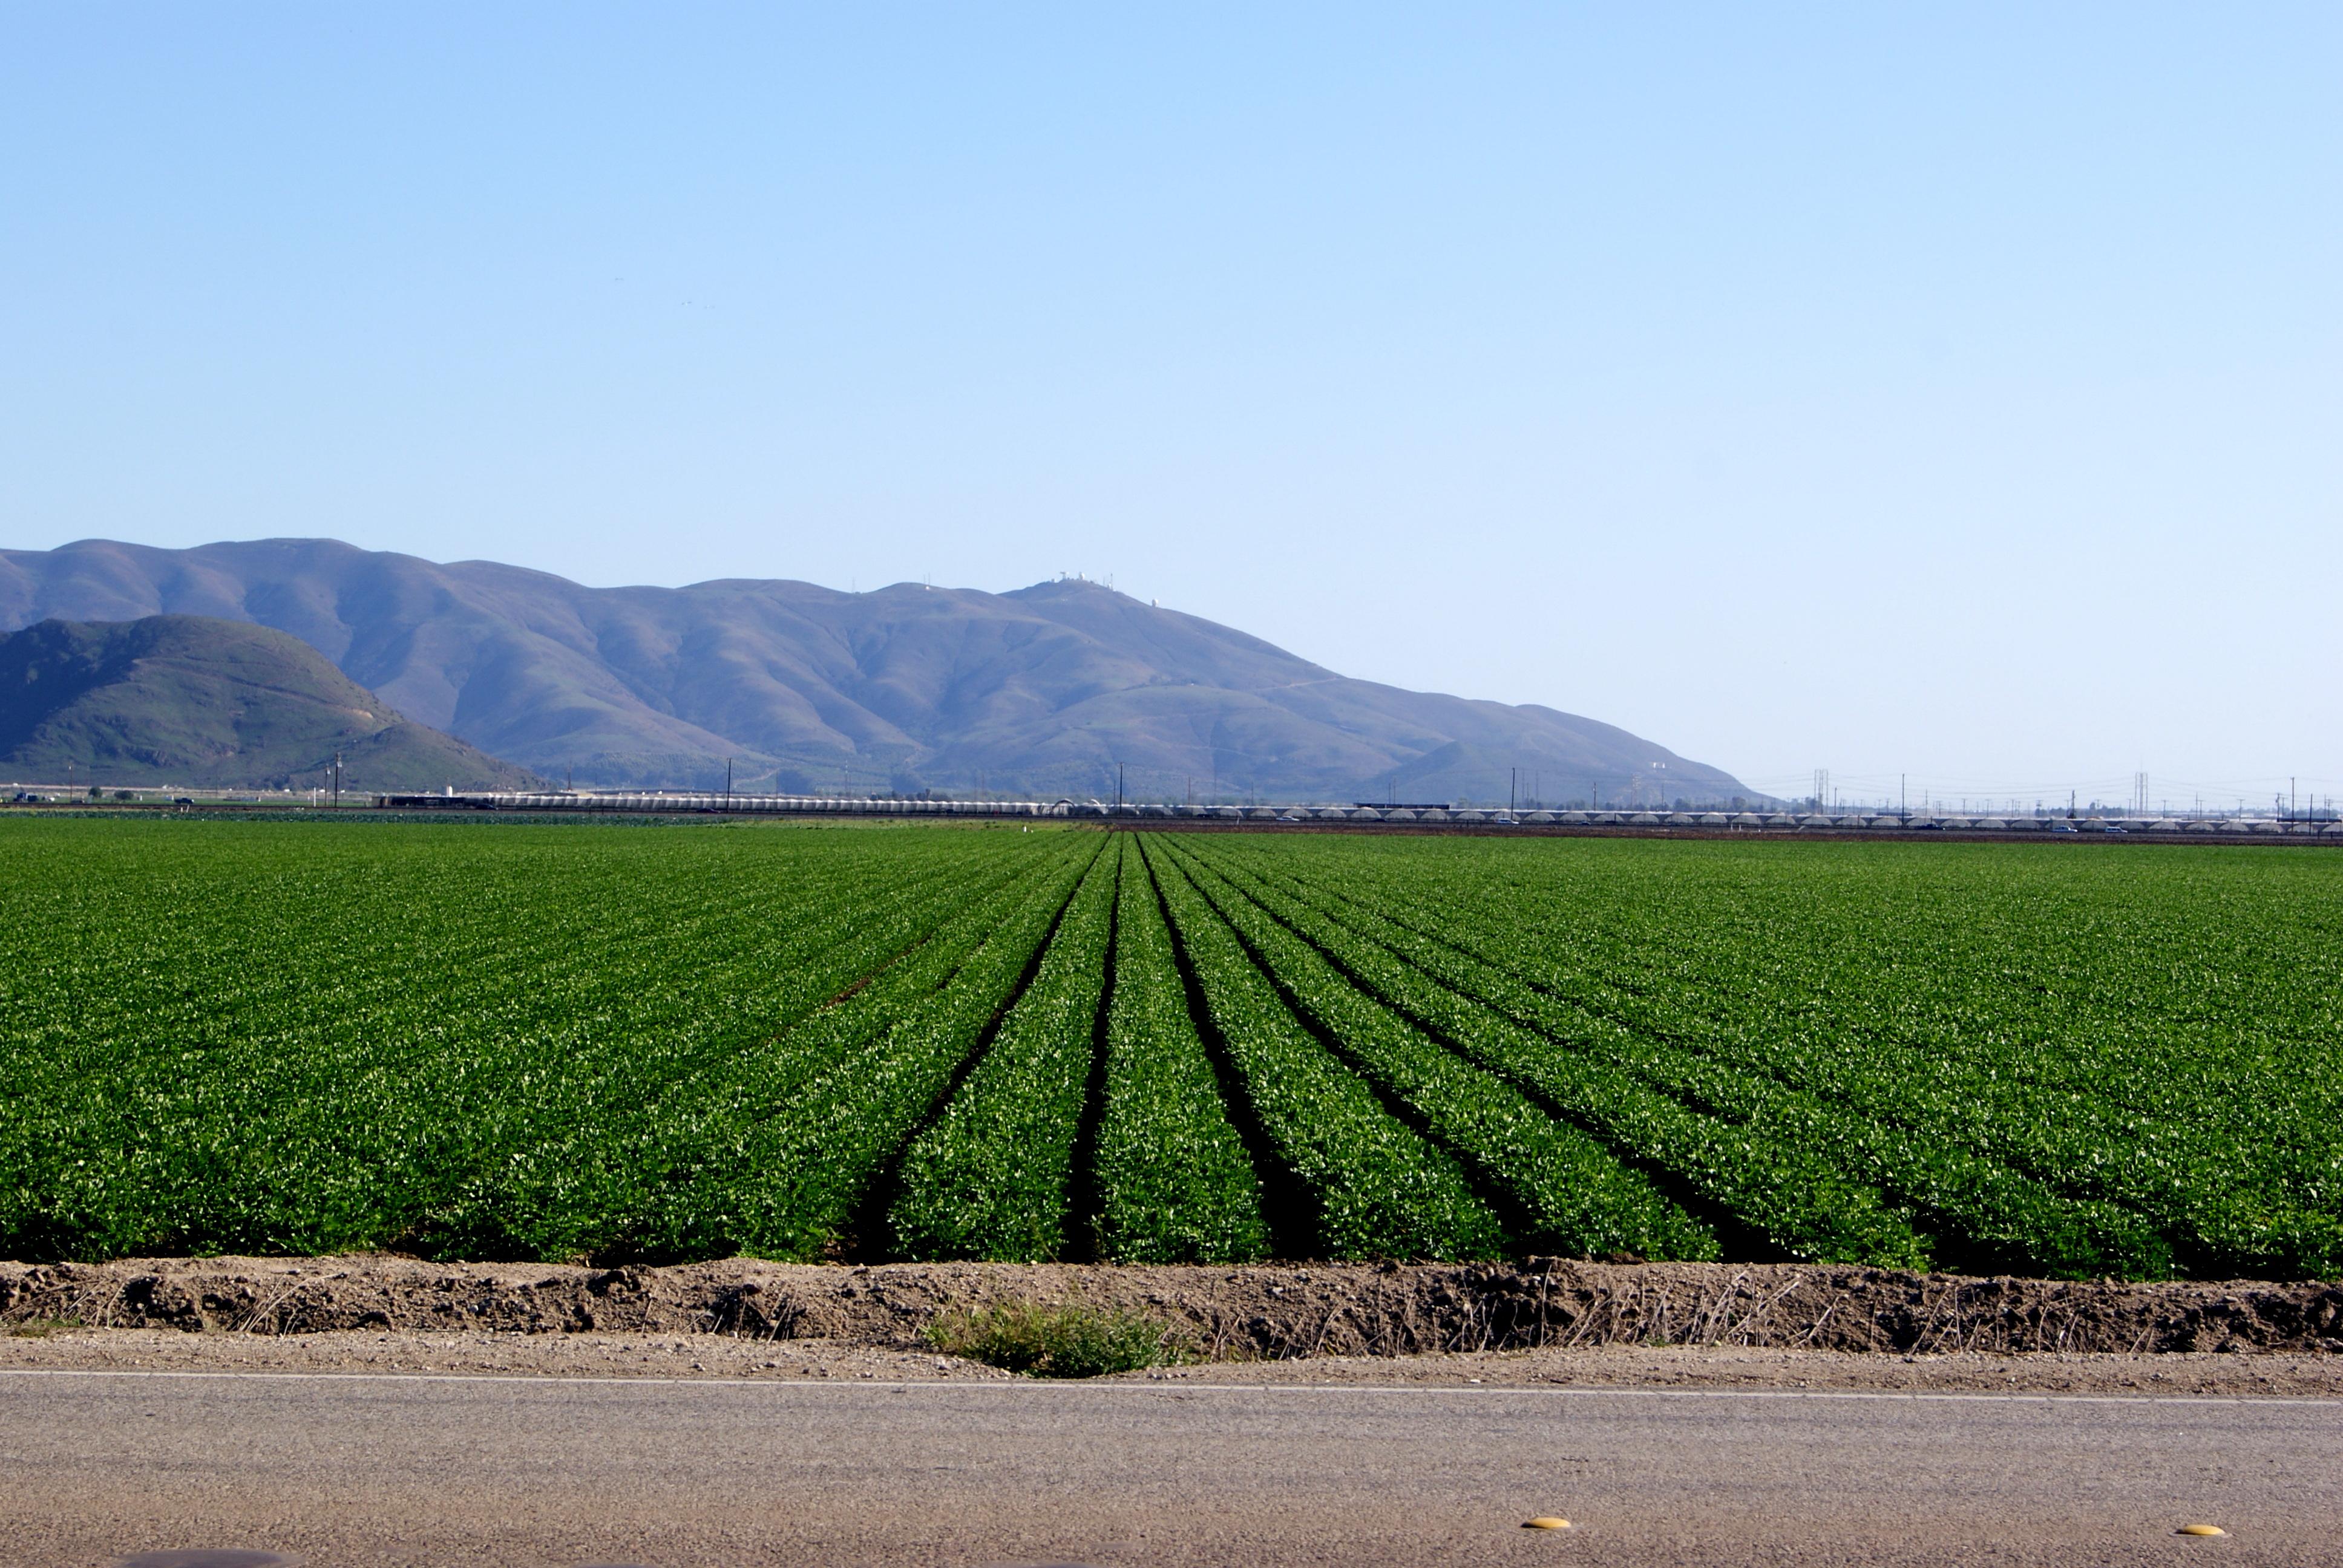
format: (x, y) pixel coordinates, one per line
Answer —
(536, 1472)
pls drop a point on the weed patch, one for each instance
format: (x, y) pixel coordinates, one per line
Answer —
(41, 1328)
(1062, 1338)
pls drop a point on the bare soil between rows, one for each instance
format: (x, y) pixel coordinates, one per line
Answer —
(1257, 1313)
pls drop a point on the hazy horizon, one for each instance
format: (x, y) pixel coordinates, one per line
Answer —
(1949, 397)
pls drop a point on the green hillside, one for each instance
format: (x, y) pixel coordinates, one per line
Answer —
(185, 700)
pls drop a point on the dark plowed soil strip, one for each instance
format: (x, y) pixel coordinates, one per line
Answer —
(701, 1059)
(1085, 1203)
(884, 964)
(942, 919)
(866, 1237)
(1288, 1207)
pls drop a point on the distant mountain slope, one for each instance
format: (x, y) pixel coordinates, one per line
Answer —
(192, 700)
(1043, 691)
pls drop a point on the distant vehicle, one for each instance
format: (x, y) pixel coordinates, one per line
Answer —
(2111, 828)
(26, 797)
(2062, 827)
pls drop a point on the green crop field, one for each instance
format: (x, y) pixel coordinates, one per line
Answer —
(550, 1040)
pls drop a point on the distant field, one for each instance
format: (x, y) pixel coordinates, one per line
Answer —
(561, 1041)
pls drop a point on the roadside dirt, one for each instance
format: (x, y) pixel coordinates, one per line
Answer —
(1691, 1368)
(1269, 1313)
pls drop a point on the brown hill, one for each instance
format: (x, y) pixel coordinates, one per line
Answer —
(1043, 691)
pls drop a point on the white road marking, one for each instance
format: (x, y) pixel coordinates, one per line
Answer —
(1088, 1386)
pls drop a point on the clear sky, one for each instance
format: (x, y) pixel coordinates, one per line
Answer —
(1953, 390)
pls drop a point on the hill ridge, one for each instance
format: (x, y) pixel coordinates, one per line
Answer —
(1042, 689)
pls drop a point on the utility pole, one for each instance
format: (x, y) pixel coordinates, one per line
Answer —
(337, 781)
(727, 783)
(1512, 792)
(1904, 797)
(1117, 785)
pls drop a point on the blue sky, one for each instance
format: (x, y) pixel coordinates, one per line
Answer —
(1942, 390)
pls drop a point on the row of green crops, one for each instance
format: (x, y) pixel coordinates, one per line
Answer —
(302, 1038)
(992, 1177)
(609, 1042)
(1961, 1036)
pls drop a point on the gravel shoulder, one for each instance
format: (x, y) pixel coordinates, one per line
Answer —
(1255, 1312)
(1547, 1322)
(1689, 1368)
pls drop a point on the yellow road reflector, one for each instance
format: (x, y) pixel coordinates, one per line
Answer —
(2200, 1529)
(1546, 1522)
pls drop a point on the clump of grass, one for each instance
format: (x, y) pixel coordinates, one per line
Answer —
(1061, 1338)
(41, 1328)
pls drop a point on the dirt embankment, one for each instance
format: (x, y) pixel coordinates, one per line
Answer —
(1265, 1313)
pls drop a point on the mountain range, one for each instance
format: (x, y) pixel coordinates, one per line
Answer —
(1061, 687)
(190, 700)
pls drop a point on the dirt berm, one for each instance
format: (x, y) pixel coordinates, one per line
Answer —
(1269, 1312)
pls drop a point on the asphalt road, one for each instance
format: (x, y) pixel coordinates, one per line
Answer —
(528, 1471)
